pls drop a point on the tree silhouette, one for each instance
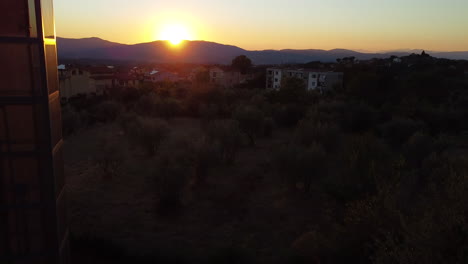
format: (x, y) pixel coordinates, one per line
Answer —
(242, 63)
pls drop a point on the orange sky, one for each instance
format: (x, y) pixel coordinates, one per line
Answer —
(372, 25)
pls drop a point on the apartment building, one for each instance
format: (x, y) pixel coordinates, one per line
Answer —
(313, 79)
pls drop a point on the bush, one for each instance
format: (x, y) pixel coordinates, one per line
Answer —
(206, 156)
(227, 135)
(107, 111)
(309, 132)
(148, 133)
(71, 121)
(268, 127)
(366, 163)
(299, 164)
(208, 113)
(128, 122)
(145, 106)
(250, 121)
(109, 158)
(288, 115)
(435, 229)
(359, 117)
(399, 130)
(174, 166)
(167, 108)
(418, 147)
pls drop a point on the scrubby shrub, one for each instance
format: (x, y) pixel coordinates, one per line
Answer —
(359, 117)
(167, 108)
(128, 123)
(288, 115)
(250, 121)
(299, 164)
(148, 133)
(172, 175)
(435, 230)
(174, 167)
(107, 111)
(365, 164)
(208, 113)
(268, 127)
(227, 135)
(308, 132)
(207, 155)
(109, 157)
(71, 121)
(418, 147)
(145, 106)
(398, 130)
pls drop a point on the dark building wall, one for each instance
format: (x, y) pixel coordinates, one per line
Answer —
(33, 219)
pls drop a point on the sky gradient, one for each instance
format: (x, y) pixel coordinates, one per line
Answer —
(372, 25)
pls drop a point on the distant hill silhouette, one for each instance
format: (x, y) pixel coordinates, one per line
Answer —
(208, 52)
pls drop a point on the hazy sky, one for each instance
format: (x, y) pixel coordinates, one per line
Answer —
(275, 24)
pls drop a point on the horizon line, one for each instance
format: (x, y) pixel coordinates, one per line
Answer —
(401, 50)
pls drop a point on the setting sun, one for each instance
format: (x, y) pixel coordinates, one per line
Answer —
(175, 34)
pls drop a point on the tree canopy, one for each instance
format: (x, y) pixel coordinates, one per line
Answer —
(242, 63)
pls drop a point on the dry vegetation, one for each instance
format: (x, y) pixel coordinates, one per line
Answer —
(375, 172)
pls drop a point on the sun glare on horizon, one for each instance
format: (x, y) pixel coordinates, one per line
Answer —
(175, 34)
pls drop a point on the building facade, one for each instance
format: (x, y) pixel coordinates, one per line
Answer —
(227, 77)
(85, 80)
(216, 75)
(161, 76)
(33, 219)
(313, 80)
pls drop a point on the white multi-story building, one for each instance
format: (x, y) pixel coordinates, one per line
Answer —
(274, 78)
(312, 79)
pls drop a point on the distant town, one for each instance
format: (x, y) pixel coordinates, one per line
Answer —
(77, 80)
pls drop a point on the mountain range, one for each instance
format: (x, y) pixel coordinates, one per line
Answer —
(211, 53)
